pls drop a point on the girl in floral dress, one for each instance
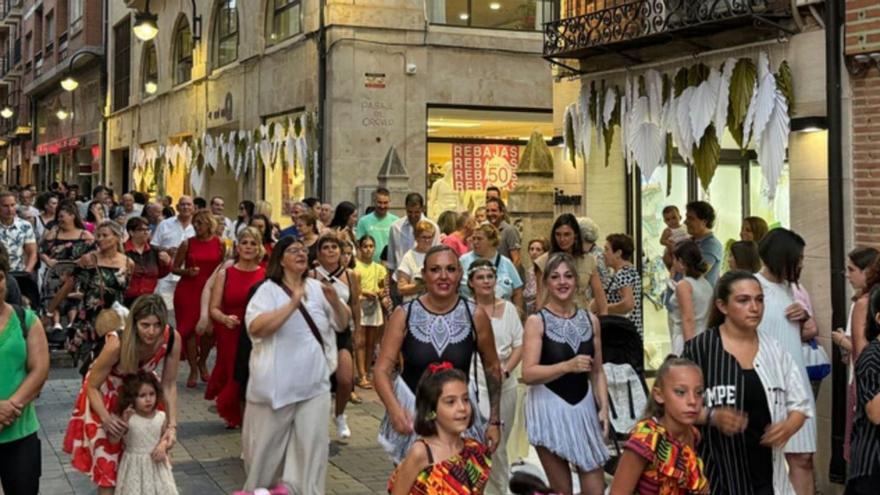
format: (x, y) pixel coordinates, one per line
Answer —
(145, 344)
(442, 460)
(660, 456)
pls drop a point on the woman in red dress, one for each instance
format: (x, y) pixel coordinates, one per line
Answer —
(264, 227)
(195, 261)
(228, 303)
(145, 344)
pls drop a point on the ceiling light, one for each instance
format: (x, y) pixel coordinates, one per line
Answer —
(494, 6)
(145, 27)
(69, 83)
(809, 124)
(463, 16)
(7, 112)
(448, 123)
(150, 87)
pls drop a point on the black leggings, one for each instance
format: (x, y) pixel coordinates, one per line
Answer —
(20, 470)
(864, 485)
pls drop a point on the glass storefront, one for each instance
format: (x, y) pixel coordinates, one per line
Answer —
(521, 15)
(470, 149)
(283, 185)
(738, 190)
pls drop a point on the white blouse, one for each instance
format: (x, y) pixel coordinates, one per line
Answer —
(289, 366)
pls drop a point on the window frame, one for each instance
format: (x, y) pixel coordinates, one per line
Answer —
(179, 55)
(274, 12)
(122, 58)
(217, 38)
(74, 8)
(146, 75)
(49, 32)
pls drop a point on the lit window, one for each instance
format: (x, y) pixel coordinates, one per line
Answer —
(151, 70)
(282, 20)
(225, 45)
(520, 15)
(183, 52)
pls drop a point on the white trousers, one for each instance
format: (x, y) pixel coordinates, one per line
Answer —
(499, 476)
(288, 445)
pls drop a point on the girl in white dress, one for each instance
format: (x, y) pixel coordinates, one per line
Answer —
(145, 468)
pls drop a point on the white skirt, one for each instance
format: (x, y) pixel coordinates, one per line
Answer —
(570, 431)
(397, 445)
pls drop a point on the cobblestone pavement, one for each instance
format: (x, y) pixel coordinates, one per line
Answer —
(207, 456)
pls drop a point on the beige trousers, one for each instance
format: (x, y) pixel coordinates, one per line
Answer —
(499, 476)
(288, 445)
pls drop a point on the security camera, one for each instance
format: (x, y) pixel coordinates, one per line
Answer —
(411, 68)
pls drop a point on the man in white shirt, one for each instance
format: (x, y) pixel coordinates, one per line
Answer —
(402, 237)
(218, 206)
(169, 235)
(17, 235)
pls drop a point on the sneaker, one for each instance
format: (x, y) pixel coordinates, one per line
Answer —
(342, 430)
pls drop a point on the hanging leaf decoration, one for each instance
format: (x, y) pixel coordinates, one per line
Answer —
(611, 119)
(707, 154)
(742, 87)
(785, 85)
(698, 74)
(569, 134)
(681, 81)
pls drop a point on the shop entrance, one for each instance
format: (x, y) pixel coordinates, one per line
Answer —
(737, 190)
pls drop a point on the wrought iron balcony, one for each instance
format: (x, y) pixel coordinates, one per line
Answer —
(607, 33)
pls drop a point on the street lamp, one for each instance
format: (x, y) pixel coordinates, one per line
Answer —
(62, 113)
(69, 83)
(150, 87)
(145, 27)
(7, 112)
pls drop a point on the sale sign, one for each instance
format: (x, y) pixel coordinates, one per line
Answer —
(477, 166)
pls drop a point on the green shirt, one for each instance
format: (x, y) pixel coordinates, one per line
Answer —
(378, 228)
(13, 370)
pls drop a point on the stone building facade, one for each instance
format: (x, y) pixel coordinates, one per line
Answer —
(385, 64)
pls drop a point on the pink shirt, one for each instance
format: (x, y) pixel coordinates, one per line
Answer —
(456, 243)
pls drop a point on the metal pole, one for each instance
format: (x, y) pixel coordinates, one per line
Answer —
(833, 55)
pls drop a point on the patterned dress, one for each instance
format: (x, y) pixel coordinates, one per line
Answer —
(101, 286)
(465, 473)
(627, 276)
(65, 252)
(673, 468)
(85, 439)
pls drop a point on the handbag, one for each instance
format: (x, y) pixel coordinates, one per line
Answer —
(816, 360)
(330, 351)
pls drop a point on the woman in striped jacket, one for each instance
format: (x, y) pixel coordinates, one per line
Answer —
(755, 398)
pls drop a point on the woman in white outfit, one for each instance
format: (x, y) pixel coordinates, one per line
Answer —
(689, 308)
(286, 436)
(782, 252)
(508, 331)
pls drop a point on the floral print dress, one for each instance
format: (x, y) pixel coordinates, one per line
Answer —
(85, 439)
(65, 252)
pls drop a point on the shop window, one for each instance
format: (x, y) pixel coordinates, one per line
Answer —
(283, 185)
(150, 78)
(282, 20)
(470, 149)
(224, 48)
(522, 15)
(121, 63)
(183, 52)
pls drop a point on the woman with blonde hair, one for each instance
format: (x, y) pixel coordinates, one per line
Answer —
(228, 302)
(146, 342)
(195, 261)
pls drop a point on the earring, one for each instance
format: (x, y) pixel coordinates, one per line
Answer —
(431, 416)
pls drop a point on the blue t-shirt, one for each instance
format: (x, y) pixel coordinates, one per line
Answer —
(712, 251)
(378, 228)
(292, 230)
(507, 278)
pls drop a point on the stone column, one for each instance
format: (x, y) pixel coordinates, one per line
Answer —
(531, 201)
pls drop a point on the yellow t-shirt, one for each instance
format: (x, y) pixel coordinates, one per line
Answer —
(370, 274)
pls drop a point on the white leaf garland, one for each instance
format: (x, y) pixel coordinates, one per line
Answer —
(586, 125)
(722, 103)
(682, 133)
(762, 101)
(703, 103)
(772, 144)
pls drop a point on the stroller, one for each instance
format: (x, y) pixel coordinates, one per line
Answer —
(51, 281)
(624, 364)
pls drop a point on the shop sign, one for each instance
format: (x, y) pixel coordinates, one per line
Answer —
(477, 166)
(374, 80)
(562, 199)
(225, 112)
(55, 147)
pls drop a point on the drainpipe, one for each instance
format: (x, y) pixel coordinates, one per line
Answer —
(105, 154)
(833, 54)
(318, 179)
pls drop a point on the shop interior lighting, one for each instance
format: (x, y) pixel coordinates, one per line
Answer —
(145, 24)
(463, 16)
(7, 112)
(69, 83)
(809, 124)
(494, 6)
(453, 123)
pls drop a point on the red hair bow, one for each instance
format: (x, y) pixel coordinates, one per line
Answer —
(438, 367)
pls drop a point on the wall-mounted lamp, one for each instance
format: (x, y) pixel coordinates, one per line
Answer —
(859, 64)
(7, 112)
(62, 113)
(150, 87)
(809, 124)
(146, 24)
(69, 83)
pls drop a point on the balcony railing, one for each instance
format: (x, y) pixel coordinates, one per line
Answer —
(594, 27)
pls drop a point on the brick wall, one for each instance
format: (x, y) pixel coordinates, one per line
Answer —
(862, 26)
(866, 158)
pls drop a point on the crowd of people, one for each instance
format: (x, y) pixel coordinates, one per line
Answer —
(477, 349)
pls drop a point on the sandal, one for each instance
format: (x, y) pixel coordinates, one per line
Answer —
(364, 383)
(355, 399)
(191, 383)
